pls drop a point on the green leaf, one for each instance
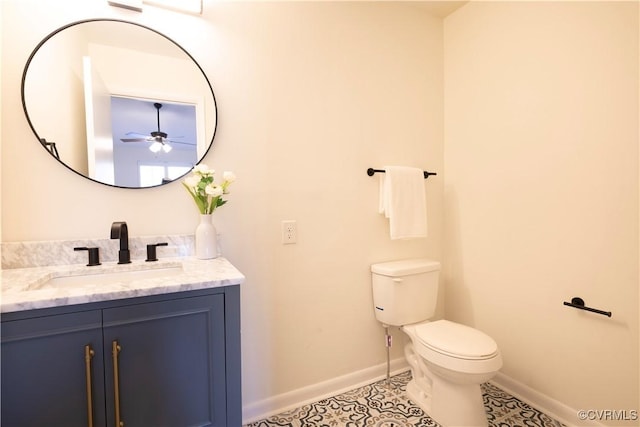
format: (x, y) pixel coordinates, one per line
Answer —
(199, 202)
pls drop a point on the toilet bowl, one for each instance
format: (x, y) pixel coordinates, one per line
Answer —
(448, 360)
(448, 363)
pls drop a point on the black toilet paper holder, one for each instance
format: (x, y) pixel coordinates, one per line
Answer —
(577, 302)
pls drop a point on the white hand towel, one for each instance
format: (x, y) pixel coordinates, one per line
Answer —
(402, 200)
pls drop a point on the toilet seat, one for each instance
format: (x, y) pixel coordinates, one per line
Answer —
(455, 347)
(456, 340)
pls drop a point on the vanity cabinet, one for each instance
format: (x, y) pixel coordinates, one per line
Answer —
(44, 370)
(169, 361)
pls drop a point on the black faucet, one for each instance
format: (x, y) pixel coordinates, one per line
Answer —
(94, 255)
(119, 231)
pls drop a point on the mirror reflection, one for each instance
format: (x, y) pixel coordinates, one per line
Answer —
(119, 103)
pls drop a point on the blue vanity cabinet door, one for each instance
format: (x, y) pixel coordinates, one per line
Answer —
(44, 380)
(170, 363)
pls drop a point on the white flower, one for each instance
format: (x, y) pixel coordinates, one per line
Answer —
(228, 176)
(213, 190)
(192, 181)
(206, 193)
(203, 170)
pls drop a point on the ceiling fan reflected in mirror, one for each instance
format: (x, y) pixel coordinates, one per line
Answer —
(159, 140)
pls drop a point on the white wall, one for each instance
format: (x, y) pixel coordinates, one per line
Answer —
(69, 135)
(541, 191)
(309, 96)
(541, 176)
(1, 86)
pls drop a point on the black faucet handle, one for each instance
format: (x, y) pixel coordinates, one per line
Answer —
(94, 255)
(151, 251)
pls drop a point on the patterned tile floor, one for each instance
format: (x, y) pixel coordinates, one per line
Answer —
(376, 405)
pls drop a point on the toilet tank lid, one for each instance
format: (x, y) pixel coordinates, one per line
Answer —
(405, 267)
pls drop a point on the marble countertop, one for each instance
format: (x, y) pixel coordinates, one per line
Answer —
(26, 288)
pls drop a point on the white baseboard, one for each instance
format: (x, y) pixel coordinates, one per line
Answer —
(293, 399)
(287, 401)
(555, 409)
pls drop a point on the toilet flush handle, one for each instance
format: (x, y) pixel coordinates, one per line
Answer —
(397, 280)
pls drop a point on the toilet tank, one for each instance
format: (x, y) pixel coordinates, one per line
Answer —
(405, 291)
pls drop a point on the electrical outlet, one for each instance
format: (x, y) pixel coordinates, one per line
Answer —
(289, 232)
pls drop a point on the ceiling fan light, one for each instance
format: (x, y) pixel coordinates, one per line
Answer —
(155, 147)
(166, 147)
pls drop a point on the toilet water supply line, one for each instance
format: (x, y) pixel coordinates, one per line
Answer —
(388, 342)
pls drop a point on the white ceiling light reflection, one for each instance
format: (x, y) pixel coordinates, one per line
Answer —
(157, 146)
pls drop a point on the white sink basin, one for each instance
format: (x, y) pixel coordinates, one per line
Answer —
(106, 278)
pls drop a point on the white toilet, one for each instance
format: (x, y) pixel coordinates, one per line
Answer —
(448, 360)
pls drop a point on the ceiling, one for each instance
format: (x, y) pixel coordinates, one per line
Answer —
(439, 8)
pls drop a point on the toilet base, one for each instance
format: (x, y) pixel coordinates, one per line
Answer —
(449, 403)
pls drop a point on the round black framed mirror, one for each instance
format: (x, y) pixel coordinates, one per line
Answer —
(119, 103)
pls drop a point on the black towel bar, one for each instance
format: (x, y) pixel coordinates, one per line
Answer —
(371, 171)
(577, 302)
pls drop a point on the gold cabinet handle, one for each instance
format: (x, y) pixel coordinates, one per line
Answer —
(115, 349)
(88, 354)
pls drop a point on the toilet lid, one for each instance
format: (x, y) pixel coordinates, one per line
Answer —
(456, 340)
